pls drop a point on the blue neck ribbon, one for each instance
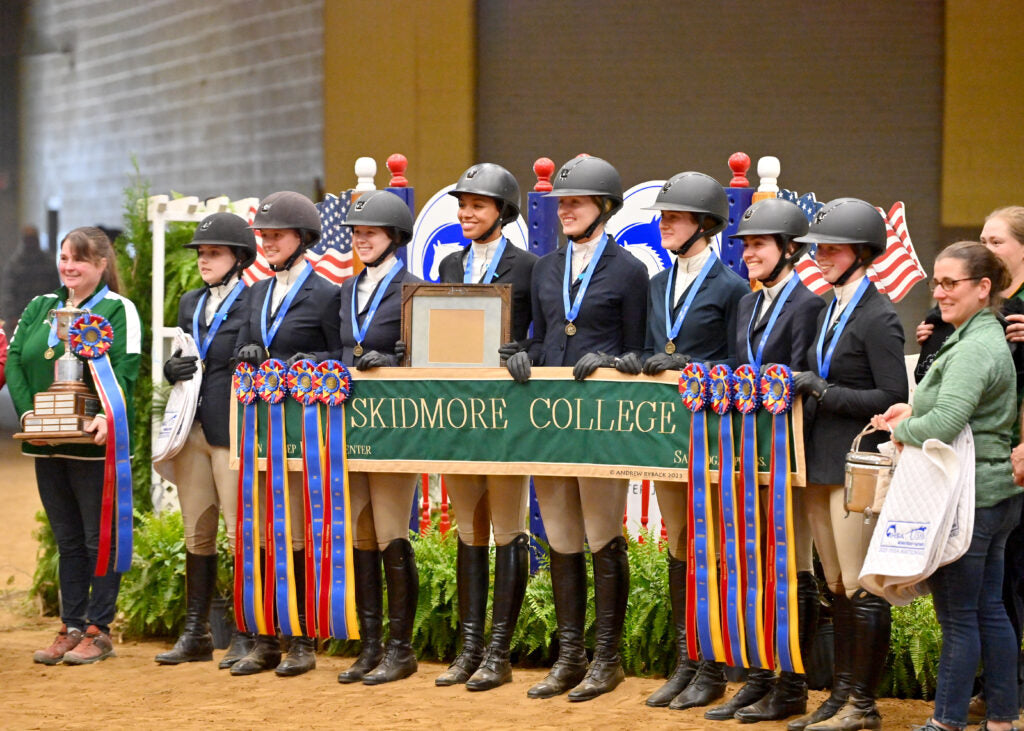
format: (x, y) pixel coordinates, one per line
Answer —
(588, 273)
(218, 319)
(780, 301)
(467, 276)
(825, 363)
(359, 331)
(268, 336)
(672, 327)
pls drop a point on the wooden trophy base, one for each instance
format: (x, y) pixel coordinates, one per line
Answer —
(60, 418)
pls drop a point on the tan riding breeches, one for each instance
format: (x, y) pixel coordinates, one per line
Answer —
(207, 486)
(574, 508)
(842, 540)
(381, 507)
(482, 500)
(672, 500)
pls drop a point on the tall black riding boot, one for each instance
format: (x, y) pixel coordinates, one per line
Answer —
(843, 639)
(872, 622)
(569, 584)
(685, 667)
(370, 611)
(265, 653)
(789, 695)
(403, 594)
(758, 686)
(611, 593)
(196, 642)
(301, 657)
(511, 570)
(472, 569)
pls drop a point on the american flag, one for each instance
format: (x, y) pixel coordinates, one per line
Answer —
(898, 268)
(806, 268)
(331, 256)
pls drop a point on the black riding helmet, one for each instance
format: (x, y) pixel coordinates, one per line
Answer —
(699, 194)
(385, 209)
(590, 176)
(780, 219)
(288, 209)
(226, 229)
(853, 222)
(494, 181)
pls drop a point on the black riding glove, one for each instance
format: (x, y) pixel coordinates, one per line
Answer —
(376, 359)
(252, 354)
(629, 363)
(507, 350)
(180, 368)
(300, 356)
(808, 383)
(590, 362)
(666, 362)
(518, 366)
(399, 351)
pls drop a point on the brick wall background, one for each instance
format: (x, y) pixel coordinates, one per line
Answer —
(212, 97)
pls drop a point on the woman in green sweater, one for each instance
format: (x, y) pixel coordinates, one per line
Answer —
(971, 383)
(70, 476)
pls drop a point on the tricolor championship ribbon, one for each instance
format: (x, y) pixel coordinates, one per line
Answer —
(781, 599)
(703, 622)
(731, 574)
(745, 399)
(249, 614)
(337, 602)
(90, 337)
(279, 586)
(303, 381)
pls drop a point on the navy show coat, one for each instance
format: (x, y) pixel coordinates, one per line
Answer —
(612, 316)
(867, 375)
(311, 325)
(214, 407)
(708, 332)
(386, 327)
(792, 334)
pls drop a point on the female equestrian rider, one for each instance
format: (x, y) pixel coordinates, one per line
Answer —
(855, 370)
(776, 325)
(489, 198)
(691, 315)
(212, 314)
(371, 318)
(293, 316)
(588, 311)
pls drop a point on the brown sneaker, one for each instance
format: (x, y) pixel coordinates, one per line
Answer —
(95, 646)
(65, 641)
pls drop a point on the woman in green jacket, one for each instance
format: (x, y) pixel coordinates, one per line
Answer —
(971, 383)
(70, 476)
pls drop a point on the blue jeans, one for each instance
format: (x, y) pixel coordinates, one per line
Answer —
(71, 491)
(969, 605)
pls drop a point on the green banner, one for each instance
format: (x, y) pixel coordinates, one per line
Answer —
(480, 421)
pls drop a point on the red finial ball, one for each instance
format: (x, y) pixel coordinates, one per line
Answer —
(544, 168)
(739, 163)
(397, 164)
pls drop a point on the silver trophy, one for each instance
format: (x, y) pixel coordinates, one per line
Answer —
(61, 413)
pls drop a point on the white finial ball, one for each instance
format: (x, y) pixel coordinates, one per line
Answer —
(365, 169)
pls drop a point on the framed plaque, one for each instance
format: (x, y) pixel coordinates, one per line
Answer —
(455, 325)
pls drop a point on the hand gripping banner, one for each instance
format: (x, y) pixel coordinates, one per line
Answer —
(337, 603)
(745, 400)
(279, 586)
(731, 574)
(303, 381)
(249, 615)
(781, 600)
(703, 622)
(90, 337)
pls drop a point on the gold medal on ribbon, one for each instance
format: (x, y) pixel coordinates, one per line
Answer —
(358, 350)
(570, 329)
(670, 347)
(49, 354)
